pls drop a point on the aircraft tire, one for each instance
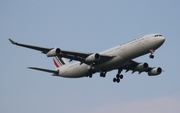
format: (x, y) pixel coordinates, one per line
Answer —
(118, 80)
(121, 76)
(90, 76)
(114, 79)
(151, 56)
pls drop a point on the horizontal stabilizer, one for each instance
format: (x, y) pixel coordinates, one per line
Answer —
(45, 70)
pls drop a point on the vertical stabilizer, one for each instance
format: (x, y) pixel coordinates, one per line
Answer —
(59, 61)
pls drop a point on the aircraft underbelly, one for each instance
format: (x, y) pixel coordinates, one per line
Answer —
(126, 53)
(76, 71)
(115, 63)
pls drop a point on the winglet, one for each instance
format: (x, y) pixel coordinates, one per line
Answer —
(13, 42)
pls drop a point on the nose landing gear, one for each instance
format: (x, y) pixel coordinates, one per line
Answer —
(151, 55)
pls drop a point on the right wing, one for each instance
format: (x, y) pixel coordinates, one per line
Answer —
(86, 58)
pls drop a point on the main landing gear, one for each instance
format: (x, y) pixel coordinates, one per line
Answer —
(90, 73)
(118, 76)
(102, 74)
(151, 55)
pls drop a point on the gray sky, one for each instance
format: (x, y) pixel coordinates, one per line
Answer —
(87, 26)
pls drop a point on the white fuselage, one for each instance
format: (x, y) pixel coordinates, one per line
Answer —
(123, 53)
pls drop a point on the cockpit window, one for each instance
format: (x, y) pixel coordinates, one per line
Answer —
(157, 35)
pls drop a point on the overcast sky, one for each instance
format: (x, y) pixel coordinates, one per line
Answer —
(87, 26)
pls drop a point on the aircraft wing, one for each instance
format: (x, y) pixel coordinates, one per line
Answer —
(72, 55)
(42, 49)
(136, 66)
(80, 56)
(141, 67)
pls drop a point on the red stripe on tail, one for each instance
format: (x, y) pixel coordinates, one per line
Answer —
(55, 63)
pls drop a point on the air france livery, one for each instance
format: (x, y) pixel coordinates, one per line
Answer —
(117, 58)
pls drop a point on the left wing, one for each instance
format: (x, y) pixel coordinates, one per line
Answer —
(87, 58)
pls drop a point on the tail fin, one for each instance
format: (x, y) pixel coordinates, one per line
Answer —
(59, 61)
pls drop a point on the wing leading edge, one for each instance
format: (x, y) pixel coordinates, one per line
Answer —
(72, 55)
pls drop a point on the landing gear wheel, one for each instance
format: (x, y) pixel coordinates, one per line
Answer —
(151, 56)
(102, 74)
(121, 76)
(118, 80)
(90, 73)
(114, 79)
(90, 76)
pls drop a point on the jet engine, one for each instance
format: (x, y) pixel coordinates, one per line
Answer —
(155, 71)
(92, 58)
(53, 52)
(141, 67)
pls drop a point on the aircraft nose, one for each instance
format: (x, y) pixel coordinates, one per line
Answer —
(161, 40)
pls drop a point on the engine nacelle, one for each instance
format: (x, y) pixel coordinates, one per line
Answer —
(53, 52)
(155, 71)
(141, 67)
(92, 58)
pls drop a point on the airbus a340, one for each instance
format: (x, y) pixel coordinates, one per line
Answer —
(119, 58)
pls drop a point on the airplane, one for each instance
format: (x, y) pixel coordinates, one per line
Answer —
(117, 58)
